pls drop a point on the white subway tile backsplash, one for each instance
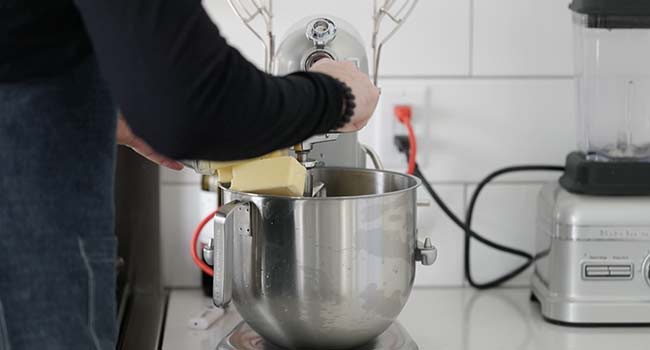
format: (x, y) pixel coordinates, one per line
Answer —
(181, 209)
(445, 236)
(469, 128)
(504, 214)
(434, 41)
(522, 37)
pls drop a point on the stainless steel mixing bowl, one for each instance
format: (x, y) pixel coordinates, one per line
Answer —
(320, 273)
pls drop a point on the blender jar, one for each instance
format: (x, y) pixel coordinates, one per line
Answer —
(612, 62)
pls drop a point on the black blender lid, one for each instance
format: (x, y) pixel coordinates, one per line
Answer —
(611, 7)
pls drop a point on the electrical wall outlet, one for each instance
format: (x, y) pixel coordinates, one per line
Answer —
(383, 127)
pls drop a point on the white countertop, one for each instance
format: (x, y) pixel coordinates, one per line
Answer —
(441, 319)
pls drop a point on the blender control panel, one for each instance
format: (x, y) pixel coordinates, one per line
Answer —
(601, 271)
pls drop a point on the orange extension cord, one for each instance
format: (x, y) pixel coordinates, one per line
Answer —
(195, 240)
(404, 114)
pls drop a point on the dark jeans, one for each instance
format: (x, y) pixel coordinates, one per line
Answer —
(57, 244)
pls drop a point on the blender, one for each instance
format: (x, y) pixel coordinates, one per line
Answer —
(593, 227)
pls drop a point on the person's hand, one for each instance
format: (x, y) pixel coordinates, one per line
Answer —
(366, 95)
(126, 137)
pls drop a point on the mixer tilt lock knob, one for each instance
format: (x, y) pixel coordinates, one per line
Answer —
(321, 31)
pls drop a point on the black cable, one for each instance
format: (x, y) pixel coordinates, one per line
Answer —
(469, 233)
(440, 202)
(402, 145)
(468, 224)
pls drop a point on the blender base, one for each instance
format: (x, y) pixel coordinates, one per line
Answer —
(622, 177)
(593, 258)
(243, 337)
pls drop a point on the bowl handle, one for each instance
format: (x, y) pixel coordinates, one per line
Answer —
(231, 217)
(425, 252)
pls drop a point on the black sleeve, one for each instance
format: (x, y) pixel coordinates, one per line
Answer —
(190, 95)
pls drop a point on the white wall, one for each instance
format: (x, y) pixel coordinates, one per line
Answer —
(491, 86)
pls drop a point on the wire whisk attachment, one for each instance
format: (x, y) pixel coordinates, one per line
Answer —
(397, 12)
(254, 11)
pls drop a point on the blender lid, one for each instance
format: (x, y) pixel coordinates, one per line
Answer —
(611, 7)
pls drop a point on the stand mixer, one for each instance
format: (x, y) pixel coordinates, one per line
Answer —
(331, 269)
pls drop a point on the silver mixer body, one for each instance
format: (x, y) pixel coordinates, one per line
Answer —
(315, 38)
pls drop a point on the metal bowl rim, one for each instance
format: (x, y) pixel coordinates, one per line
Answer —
(417, 184)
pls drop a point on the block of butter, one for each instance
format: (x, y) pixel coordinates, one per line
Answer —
(222, 169)
(224, 175)
(281, 176)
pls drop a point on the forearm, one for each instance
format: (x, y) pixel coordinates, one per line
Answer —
(185, 91)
